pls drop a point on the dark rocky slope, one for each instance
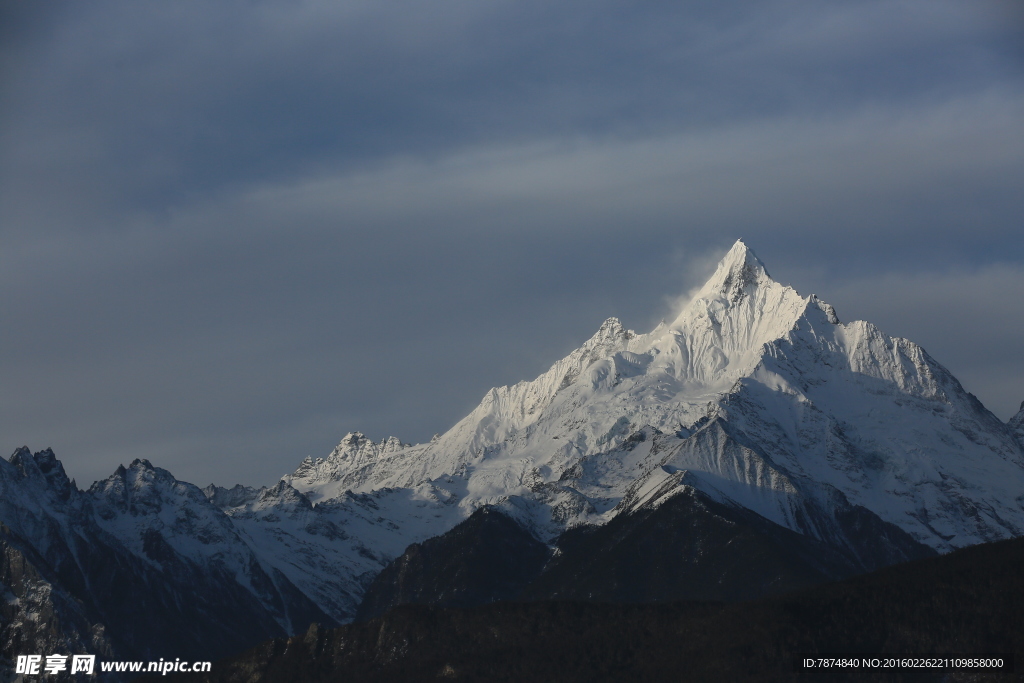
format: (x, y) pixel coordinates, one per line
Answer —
(688, 548)
(970, 601)
(488, 557)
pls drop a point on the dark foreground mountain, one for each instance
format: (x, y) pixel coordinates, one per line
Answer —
(690, 547)
(970, 601)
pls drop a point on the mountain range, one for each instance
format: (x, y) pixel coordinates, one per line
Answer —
(754, 444)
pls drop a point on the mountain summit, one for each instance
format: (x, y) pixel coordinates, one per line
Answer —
(754, 395)
(739, 270)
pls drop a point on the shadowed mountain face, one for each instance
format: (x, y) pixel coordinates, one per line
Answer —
(687, 548)
(36, 614)
(967, 602)
(488, 557)
(693, 548)
(105, 571)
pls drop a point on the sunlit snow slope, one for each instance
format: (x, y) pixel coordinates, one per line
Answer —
(754, 394)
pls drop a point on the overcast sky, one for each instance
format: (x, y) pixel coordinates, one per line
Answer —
(231, 232)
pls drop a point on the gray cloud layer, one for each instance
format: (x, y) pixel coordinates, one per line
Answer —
(232, 233)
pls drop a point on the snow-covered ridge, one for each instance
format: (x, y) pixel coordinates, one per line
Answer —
(830, 408)
(269, 552)
(713, 341)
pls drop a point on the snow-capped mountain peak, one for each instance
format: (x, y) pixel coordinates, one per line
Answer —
(825, 409)
(44, 466)
(719, 334)
(738, 271)
(355, 451)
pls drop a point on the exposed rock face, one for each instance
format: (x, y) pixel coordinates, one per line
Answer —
(37, 616)
(1016, 424)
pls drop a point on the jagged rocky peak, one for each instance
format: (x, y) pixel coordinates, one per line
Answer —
(355, 450)
(352, 439)
(827, 309)
(737, 273)
(141, 486)
(23, 460)
(1017, 423)
(612, 329)
(43, 466)
(235, 496)
(741, 289)
(281, 494)
(307, 467)
(739, 309)
(33, 465)
(608, 339)
(358, 445)
(122, 476)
